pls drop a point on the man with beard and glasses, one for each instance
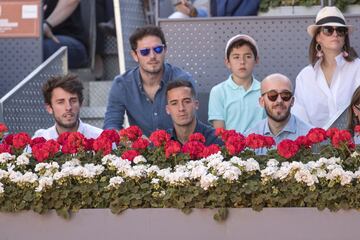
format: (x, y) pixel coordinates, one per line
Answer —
(277, 100)
(141, 91)
(63, 98)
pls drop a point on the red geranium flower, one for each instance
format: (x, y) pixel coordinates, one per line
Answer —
(5, 148)
(3, 129)
(52, 146)
(235, 144)
(20, 140)
(357, 129)
(269, 141)
(209, 150)
(8, 139)
(89, 144)
(316, 135)
(140, 144)
(40, 152)
(342, 137)
(159, 138)
(102, 144)
(74, 143)
(37, 140)
(331, 131)
(172, 148)
(303, 141)
(130, 134)
(129, 155)
(112, 135)
(287, 148)
(194, 149)
(225, 134)
(197, 137)
(62, 138)
(255, 141)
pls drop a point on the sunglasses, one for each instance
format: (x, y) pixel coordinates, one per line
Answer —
(329, 30)
(272, 95)
(357, 107)
(146, 51)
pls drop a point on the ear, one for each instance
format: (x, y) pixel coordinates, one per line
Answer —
(197, 104)
(354, 110)
(227, 63)
(134, 56)
(257, 60)
(49, 108)
(167, 109)
(292, 101)
(262, 101)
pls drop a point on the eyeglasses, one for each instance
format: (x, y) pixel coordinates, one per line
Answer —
(146, 51)
(272, 95)
(357, 107)
(329, 30)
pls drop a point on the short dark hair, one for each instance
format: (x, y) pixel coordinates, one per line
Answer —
(180, 83)
(142, 32)
(70, 83)
(313, 52)
(240, 43)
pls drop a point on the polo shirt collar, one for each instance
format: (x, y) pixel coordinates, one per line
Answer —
(340, 61)
(255, 85)
(290, 127)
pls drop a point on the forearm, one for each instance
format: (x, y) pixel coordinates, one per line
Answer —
(62, 11)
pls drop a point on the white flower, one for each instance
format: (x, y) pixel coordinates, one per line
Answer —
(232, 174)
(272, 163)
(251, 165)
(208, 181)
(72, 163)
(44, 182)
(304, 175)
(139, 159)
(6, 157)
(198, 172)
(115, 181)
(3, 174)
(269, 171)
(1, 188)
(155, 181)
(108, 158)
(153, 169)
(18, 177)
(339, 174)
(23, 159)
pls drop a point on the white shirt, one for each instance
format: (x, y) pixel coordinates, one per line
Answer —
(315, 101)
(86, 129)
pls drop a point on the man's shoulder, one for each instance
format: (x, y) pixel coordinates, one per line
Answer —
(48, 133)
(126, 77)
(302, 126)
(92, 131)
(258, 128)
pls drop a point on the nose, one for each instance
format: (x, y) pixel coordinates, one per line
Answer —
(181, 107)
(68, 105)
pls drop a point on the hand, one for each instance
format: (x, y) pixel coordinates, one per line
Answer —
(186, 8)
(49, 34)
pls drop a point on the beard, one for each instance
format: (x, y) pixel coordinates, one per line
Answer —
(271, 113)
(69, 125)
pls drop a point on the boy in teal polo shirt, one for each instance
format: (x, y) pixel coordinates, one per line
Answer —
(234, 103)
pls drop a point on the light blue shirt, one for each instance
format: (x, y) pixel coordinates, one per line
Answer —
(292, 130)
(237, 107)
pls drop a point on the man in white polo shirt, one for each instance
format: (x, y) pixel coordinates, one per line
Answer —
(63, 99)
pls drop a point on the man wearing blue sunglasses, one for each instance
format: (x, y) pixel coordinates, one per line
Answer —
(141, 91)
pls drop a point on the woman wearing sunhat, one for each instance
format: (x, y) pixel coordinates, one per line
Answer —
(324, 88)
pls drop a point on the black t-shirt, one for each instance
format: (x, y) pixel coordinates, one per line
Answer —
(72, 26)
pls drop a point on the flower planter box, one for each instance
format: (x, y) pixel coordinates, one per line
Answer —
(270, 223)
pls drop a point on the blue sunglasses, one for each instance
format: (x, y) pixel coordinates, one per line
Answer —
(146, 51)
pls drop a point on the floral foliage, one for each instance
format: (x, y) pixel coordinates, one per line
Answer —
(74, 172)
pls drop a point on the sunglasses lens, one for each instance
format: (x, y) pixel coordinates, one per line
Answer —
(144, 51)
(328, 31)
(158, 49)
(272, 95)
(286, 96)
(341, 31)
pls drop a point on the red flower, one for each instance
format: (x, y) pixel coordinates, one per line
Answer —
(197, 137)
(102, 144)
(159, 138)
(357, 129)
(5, 148)
(8, 139)
(131, 133)
(89, 144)
(40, 152)
(140, 144)
(303, 141)
(3, 129)
(172, 148)
(316, 135)
(287, 148)
(209, 150)
(129, 155)
(63, 138)
(225, 134)
(44, 151)
(112, 135)
(219, 132)
(194, 149)
(341, 137)
(255, 141)
(331, 131)
(20, 140)
(37, 140)
(235, 144)
(269, 141)
(74, 143)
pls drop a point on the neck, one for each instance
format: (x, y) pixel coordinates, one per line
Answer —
(151, 79)
(329, 58)
(183, 132)
(244, 82)
(276, 127)
(61, 130)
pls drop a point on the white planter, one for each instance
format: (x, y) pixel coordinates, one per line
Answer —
(135, 224)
